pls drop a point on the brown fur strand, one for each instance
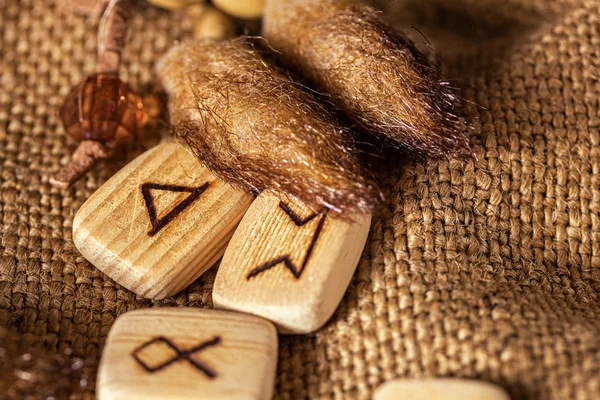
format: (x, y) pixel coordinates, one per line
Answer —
(256, 129)
(373, 73)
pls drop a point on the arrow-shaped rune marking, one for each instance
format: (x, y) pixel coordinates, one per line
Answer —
(286, 259)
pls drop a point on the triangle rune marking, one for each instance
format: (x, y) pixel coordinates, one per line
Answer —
(286, 259)
(159, 223)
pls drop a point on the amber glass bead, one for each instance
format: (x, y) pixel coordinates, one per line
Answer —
(104, 109)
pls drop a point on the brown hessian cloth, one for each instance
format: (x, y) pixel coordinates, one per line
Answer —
(486, 269)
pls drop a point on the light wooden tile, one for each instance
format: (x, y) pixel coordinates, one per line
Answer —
(439, 389)
(159, 223)
(186, 353)
(289, 264)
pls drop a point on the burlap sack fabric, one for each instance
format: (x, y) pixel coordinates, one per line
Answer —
(486, 269)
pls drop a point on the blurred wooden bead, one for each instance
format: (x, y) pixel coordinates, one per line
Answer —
(101, 112)
(86, 7)
(213, 24)
(102, 108)
(174, 4)
(241, 8)
(439, 389)
(194, 11)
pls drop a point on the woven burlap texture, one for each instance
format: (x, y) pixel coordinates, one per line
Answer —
(485, 269)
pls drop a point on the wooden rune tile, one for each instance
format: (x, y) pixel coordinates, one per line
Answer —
(188, 353)
(439, 389)
(289, 264)
(159, 223)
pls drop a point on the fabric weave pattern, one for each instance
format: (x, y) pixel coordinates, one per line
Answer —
(485, 269)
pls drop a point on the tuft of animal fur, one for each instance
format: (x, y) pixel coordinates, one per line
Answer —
(373, 73)
(256, 129)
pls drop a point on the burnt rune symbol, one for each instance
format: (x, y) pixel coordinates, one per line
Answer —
(286, 259)
(180, 355)
(159, 223)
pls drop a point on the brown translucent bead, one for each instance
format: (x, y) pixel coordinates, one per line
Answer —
(104, 109)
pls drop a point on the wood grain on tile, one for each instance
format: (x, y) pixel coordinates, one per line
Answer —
(439, 389)
(185, 353)
(159, 223)
(289, 264)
